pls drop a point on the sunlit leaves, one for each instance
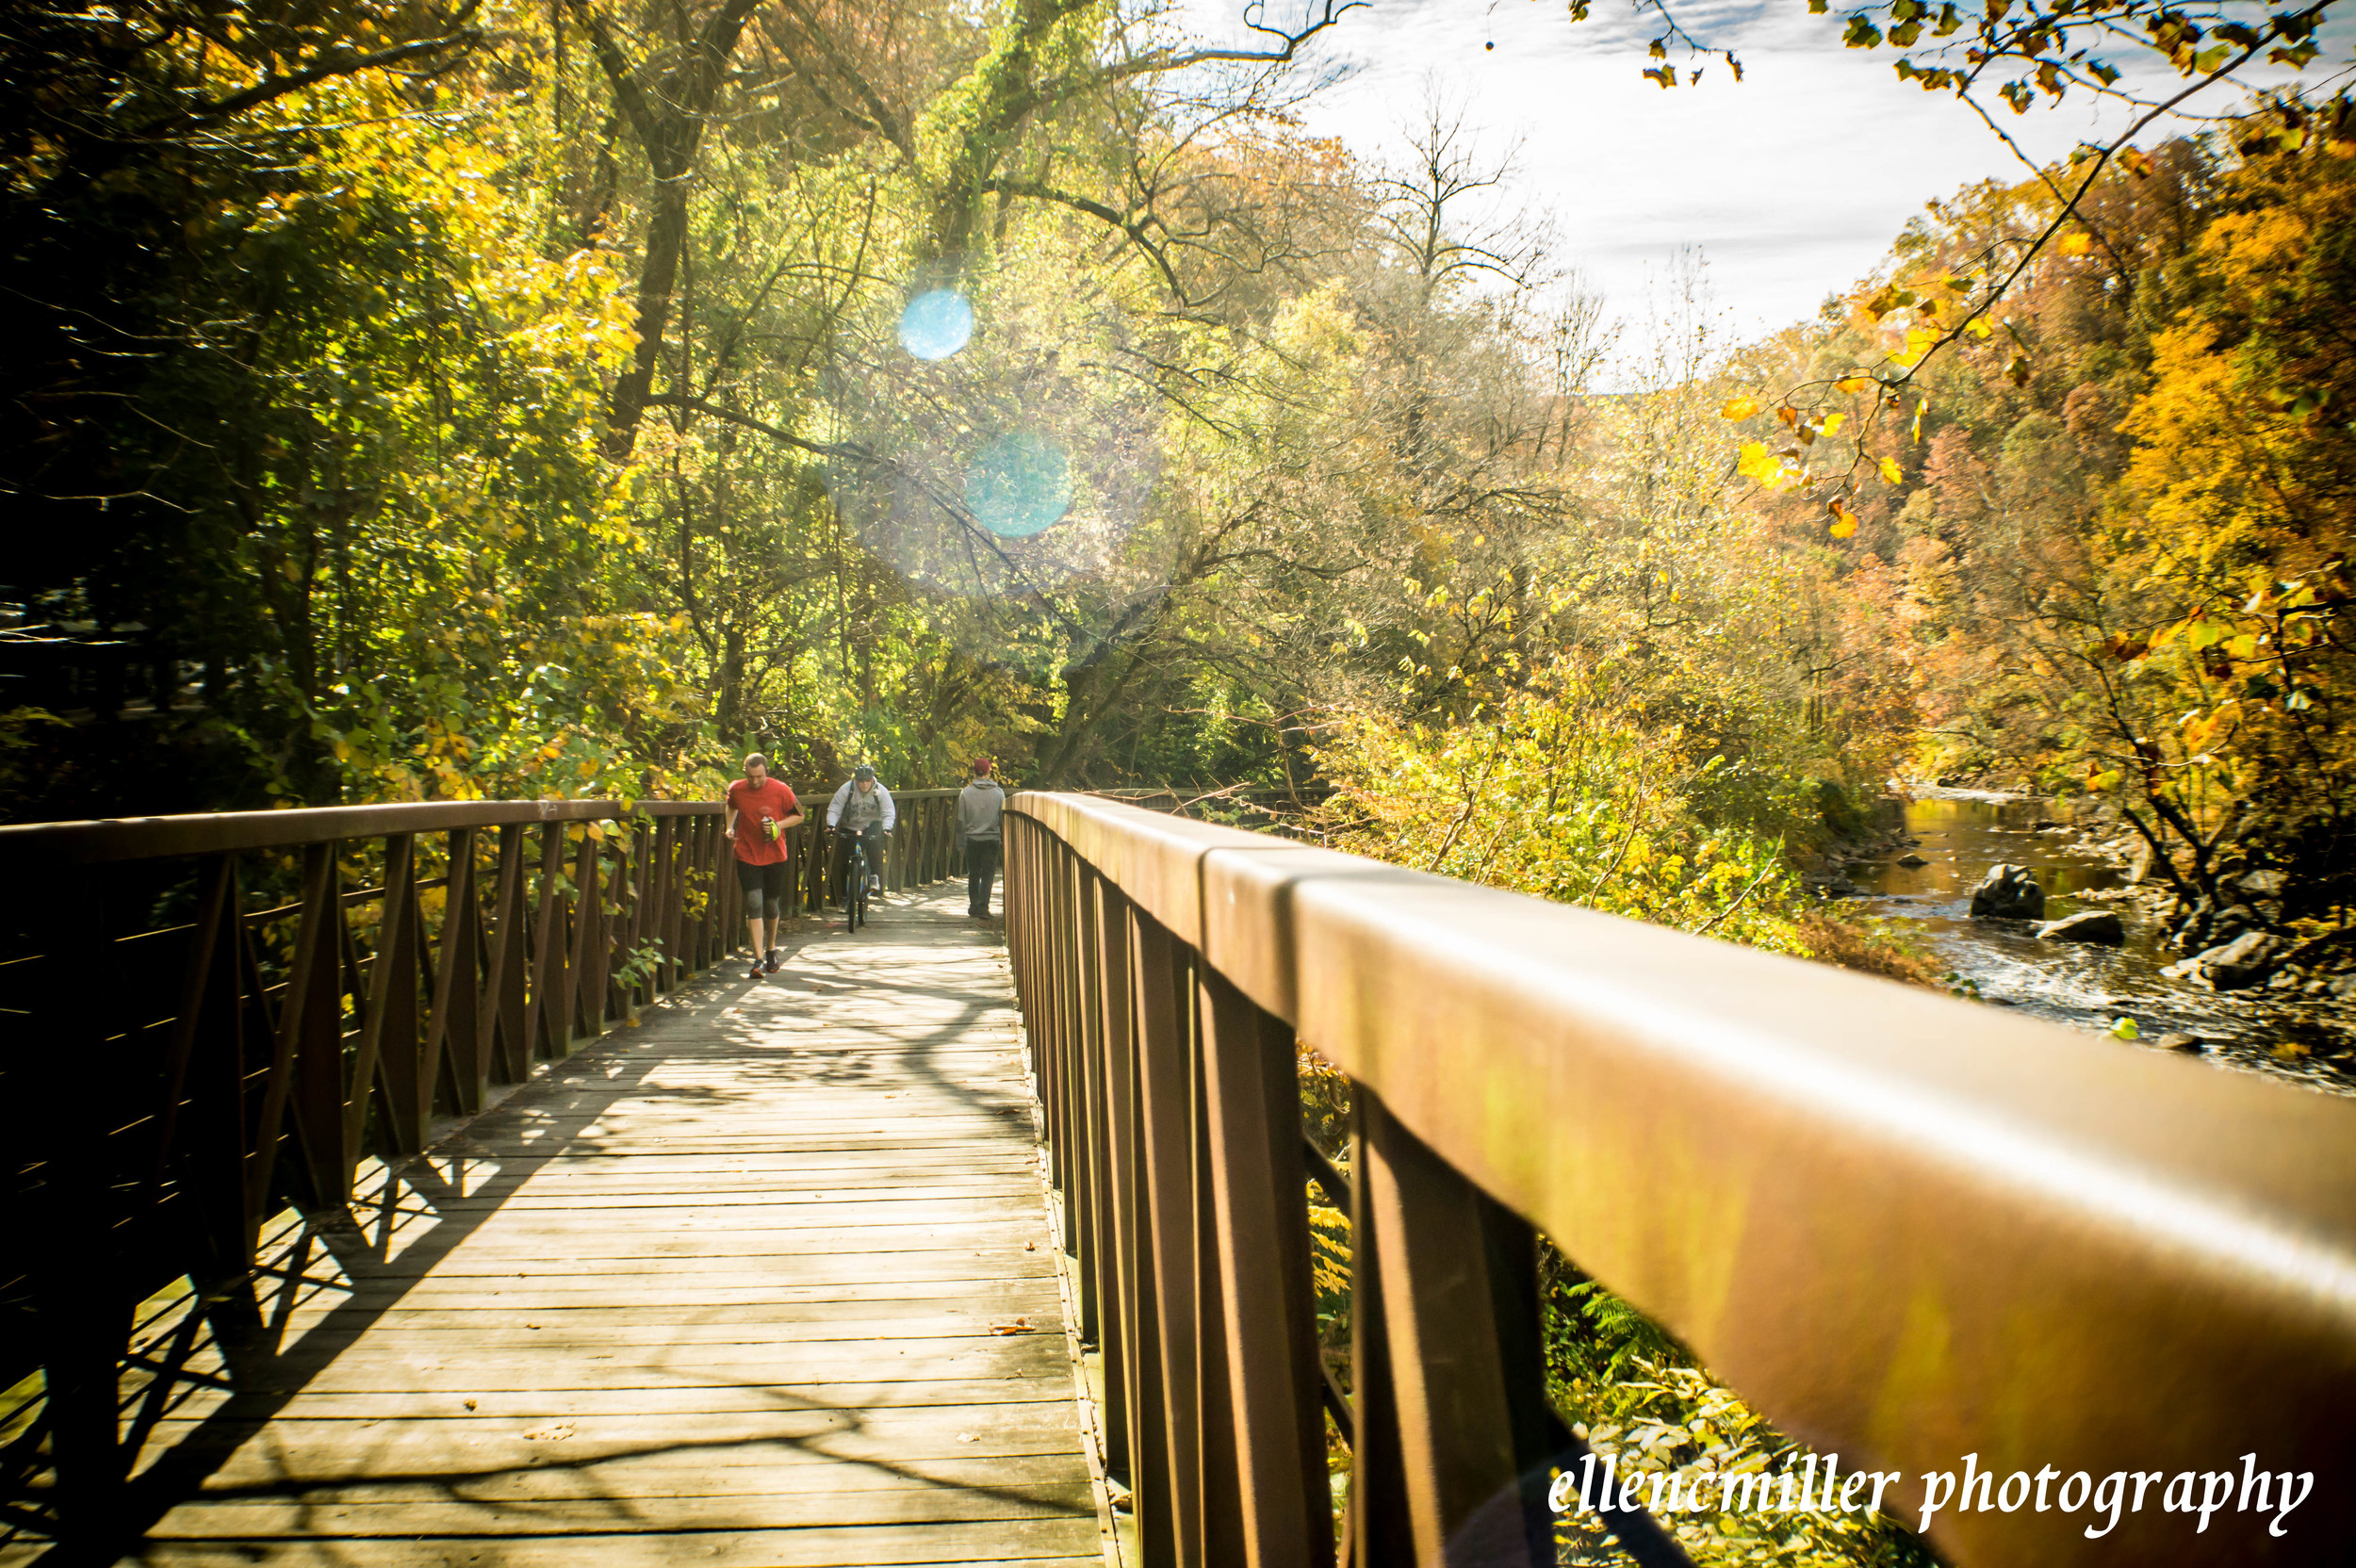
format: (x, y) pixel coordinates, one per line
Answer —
(1919, 342)
(1562, 790)
(1891, 298)
(1844, 522)
(1741, 407)
(1768, 469)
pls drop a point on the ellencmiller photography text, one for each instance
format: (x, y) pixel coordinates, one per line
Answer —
(1977, 1490)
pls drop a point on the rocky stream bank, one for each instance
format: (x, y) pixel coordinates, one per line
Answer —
(2050, 906)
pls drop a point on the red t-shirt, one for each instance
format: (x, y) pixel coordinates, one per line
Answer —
(772, 801)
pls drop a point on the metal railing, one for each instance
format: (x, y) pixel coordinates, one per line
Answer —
(1904, 1227)
(209, 1018)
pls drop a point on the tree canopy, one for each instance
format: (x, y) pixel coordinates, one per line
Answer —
(451, 399)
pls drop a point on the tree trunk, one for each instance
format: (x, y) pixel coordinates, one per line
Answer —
(666, 238)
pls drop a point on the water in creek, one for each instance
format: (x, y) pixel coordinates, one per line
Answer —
(2082, 984)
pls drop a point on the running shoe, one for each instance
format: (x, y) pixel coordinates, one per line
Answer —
(757, 971)
(771, 966)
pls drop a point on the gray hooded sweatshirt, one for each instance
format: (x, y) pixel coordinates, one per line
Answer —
(980, 804)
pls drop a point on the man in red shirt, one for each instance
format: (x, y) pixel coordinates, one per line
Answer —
(760, 810)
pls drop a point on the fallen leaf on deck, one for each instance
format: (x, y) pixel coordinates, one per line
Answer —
(1020, 1325)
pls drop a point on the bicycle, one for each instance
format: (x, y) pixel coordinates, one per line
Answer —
(855, 878)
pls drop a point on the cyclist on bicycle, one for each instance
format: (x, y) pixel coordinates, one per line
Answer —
(863, 807)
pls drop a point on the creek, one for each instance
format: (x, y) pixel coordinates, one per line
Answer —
(2085, 984)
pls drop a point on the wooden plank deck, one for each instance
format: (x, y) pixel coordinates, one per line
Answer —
(765, 1281)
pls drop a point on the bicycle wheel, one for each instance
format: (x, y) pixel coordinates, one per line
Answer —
(857, 891)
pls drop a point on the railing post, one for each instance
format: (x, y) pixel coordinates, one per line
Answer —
(451, 1027)
(1463, 1356)
(202, 1135)
(1170, 1498)
(388, 1054)
(1049, 1041)
(695, 930)
(504, 1026)
(665, 890)
(1380, 1527)
(637, 923)
(82, 1316)
(810, 874)
(584, 997)
(1139, 1411)
(1260, 1183)
(311, 1035)
(1100, 1107)
(1072, 1164)
(548, 1021)
(726, 897)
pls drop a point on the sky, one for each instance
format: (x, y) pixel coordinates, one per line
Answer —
(1791, 185)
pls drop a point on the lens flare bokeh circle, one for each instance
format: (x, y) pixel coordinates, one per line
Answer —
(1019, 485)
(936, 324)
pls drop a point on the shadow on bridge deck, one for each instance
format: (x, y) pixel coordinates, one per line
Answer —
(768, 1279)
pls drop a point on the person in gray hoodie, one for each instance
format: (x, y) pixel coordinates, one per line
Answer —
(980, 804)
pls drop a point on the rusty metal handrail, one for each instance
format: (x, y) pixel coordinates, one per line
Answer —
(1905, 1227)
(170, 1089)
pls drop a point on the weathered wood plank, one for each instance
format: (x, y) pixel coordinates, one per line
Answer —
(778, 1267)
(363, 1368)
(424, 1513)
(635, 1282)
(829, 1400)
(1005, 1545)
(852, 1317)
(705, 1456)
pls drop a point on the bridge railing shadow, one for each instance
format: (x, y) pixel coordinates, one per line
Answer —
(193, 1400)
(1904, 1227)
(214, 1021)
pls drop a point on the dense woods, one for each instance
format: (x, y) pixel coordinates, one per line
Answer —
(443, 400)
(425, 401)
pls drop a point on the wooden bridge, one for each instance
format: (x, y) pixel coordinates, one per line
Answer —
(418, 1185)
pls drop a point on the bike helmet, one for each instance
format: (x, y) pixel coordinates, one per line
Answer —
(863, 771)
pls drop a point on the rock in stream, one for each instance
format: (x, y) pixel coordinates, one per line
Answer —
(2008, 892)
